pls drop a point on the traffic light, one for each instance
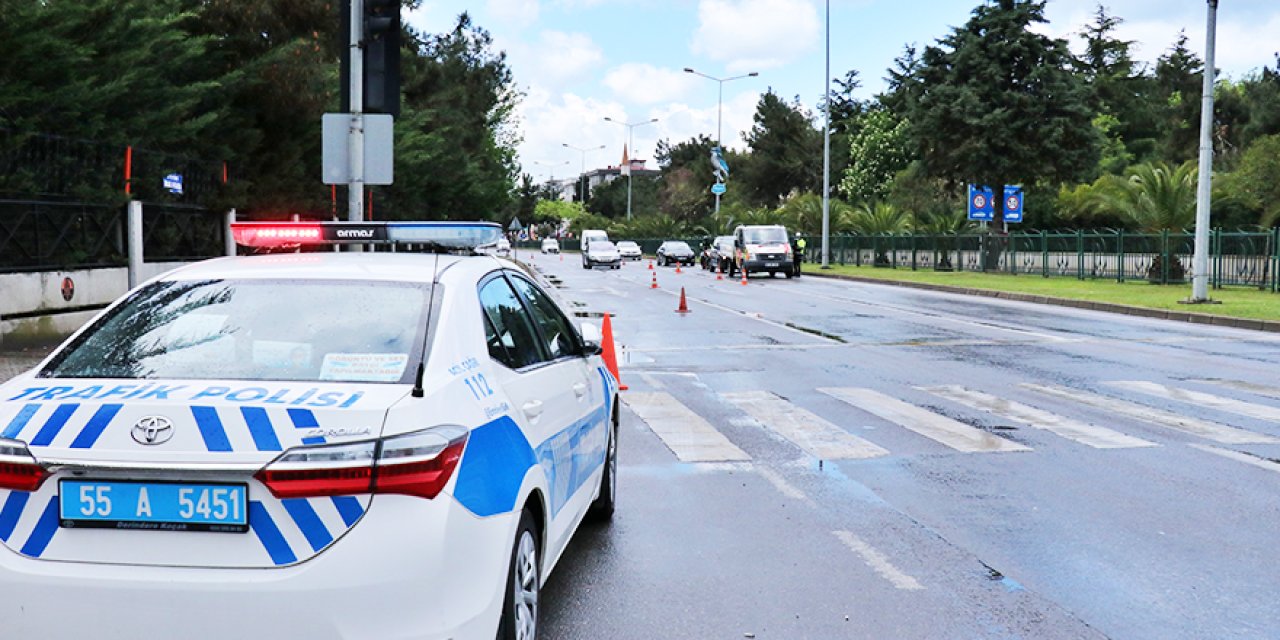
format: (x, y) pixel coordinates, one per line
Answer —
(380, 39)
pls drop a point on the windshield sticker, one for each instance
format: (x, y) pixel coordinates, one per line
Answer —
(364, 367)
(273, 354)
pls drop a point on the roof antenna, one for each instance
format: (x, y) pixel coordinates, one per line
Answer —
(418, 391)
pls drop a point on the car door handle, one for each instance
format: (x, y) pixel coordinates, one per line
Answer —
(532, 409)
(580, 389)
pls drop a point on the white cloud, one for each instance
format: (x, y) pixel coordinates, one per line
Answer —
(756, 34)
(645, 84)
(518, 13)
(553, 61)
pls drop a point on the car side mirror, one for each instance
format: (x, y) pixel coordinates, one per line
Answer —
(591, 339)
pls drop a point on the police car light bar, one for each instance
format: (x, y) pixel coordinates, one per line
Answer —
(445, 235)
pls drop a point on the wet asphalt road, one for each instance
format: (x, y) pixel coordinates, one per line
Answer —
(1173, 533)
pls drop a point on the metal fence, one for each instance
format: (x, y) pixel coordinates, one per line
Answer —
(1243, 258)
(1237, 258)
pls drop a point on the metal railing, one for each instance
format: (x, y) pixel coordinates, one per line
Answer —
(1237, 258)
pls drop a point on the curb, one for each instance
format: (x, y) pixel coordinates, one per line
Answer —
(1109, 307)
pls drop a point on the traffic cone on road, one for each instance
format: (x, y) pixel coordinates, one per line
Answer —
(678, 268)
(608, 353)
(684, 304)
(719, 276)
(744, 276)
(651, 265)
(654, 284)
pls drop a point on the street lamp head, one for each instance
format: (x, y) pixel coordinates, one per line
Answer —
(753, 74)
(654, 120)
(564, 144)
(688, 70)
(608, 119)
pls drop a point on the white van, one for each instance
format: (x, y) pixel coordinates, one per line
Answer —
(589, 236)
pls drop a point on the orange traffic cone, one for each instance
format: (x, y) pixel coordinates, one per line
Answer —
(719, 276)
(608, 354)
(562, 257)
(654, 284)
(684, 304)
(678, 268)
(651, 265)
(744, 276)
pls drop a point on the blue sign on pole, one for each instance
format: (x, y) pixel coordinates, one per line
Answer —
(981, 206)
(718, 188)
(1013, 203)
(173, 183)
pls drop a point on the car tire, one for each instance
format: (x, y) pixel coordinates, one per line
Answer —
(520, 604)
(602, 508)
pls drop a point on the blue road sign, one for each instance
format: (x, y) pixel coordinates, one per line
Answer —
(173, 183)
(981, 206)
(718, 188)
(1013, 203)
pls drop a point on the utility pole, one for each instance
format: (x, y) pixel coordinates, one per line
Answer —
(631, 149)
(1200, 260)
(355, 135)
(826, 156)
(720, 107)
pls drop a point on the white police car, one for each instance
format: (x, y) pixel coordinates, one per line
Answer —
(306, 445)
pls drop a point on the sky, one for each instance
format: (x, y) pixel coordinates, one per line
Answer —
(579, 61)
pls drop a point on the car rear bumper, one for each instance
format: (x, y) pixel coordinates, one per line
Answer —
(411, 569)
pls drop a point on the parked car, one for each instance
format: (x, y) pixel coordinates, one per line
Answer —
(590, 236)
(503, 248)
(601, 253)
(287, 439)
(719, 253)
(630, 250)
(550, 245)
(675, 251)
(761, 248)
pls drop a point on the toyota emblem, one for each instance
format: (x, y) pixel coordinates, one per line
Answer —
(153, 430)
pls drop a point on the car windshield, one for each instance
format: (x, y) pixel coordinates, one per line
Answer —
(764, 235)
(679, 247)
(603, 245)
(628, 245)
(309, 330)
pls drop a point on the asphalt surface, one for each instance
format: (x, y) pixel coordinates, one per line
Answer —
(816, 460)
(1095, 516)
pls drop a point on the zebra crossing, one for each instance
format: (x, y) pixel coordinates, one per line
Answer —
(693, 438)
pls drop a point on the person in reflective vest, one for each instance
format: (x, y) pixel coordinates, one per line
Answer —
(797, 254)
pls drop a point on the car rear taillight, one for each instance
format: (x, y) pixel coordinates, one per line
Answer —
(417, 464)
(19, 470)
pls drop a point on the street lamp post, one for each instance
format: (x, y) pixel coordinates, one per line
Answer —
(720, 106)
(1200, 258)
(826, 156)
(582, 192)
(631, 148)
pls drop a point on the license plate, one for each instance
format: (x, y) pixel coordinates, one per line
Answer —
(770, 264)
(157, 506)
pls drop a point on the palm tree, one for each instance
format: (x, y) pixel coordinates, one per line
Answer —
(1154, 196)
(879, 219)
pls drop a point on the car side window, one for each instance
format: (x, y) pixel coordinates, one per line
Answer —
(509, 331)
(560, 338)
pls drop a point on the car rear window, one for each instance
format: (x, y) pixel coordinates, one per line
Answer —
(304, 330)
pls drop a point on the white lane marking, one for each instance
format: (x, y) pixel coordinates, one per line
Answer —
(1096, 437)
(652, 381)
(1262, 412)
(878, 562)
(1259, 389)
(952, 433)
(1239, 457)
(688, 436)
(785, 488)
(1168, 419)
(814, 435)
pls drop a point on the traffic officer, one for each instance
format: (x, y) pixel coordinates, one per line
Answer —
(797, 254)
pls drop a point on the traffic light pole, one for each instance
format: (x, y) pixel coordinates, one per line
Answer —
(355, 135)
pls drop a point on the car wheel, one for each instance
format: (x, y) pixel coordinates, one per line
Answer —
(602, 508)
(520, 606)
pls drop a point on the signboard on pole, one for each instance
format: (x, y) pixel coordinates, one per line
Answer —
(981, 206)
(718, 188)
(379, 143)
(1013, 203)
(173, 183)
